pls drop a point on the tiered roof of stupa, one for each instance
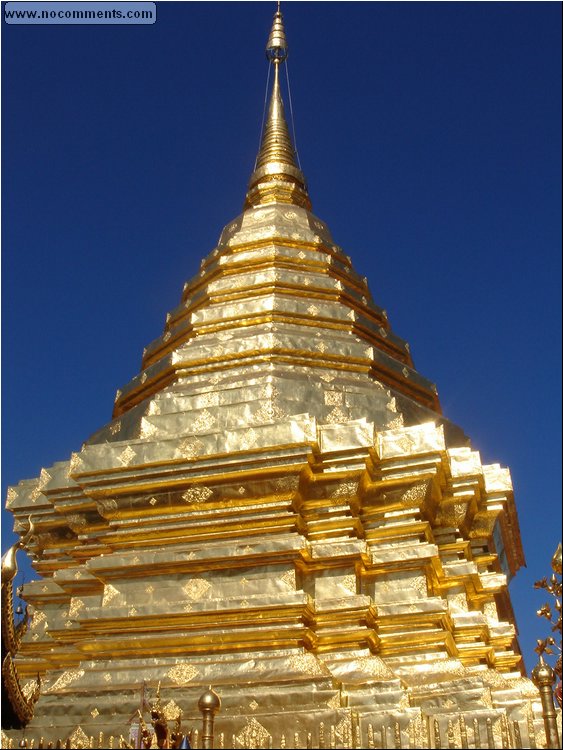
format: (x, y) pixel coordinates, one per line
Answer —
(279, 508)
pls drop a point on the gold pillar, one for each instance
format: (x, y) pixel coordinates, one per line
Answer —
(543, 677)
(209, 704)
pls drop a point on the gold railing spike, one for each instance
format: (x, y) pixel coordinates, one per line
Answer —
(463, 731)
(505, 733)
(476, 734)
(428, 732)
(437, 735)
(397, 735)
(451, 735)
(490, 735)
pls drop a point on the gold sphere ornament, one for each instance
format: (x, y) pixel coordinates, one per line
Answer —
(209, 701)
(542, 673)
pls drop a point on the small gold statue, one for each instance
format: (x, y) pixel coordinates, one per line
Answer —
(159, 723)
(177, 735)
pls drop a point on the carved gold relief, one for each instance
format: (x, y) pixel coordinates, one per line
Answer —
(333, 398)
(191, 448)
(269, 412)
(209, 399)
(336, 416)
(29, 689)
(375, 667)
(345, 489)
(148, 429)
(306, 663)
(334, 702)
(34, 494)
(197, 494)
(287, 483)
(75, 607)
(110, 592)
(79, 739)
(11, 496)
(252, 735)
(195, 588)
(204, 421)
(38, 618)
(289, 579)
(182, 673)
(67, 678)
(171, 711)
(127, 455)
(343, 731)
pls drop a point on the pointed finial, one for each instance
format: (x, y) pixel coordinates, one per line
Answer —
(276, 47)
(277, 177)
(556, 560)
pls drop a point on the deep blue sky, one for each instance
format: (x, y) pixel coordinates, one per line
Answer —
(430, 137)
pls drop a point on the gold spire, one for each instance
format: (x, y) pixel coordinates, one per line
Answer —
(277, 177)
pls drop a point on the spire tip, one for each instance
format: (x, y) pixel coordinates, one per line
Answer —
(277, 177)
(276, 47)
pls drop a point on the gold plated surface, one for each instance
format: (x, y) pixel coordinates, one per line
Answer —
(278, 509)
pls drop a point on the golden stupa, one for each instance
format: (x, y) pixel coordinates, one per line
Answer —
(278, 509)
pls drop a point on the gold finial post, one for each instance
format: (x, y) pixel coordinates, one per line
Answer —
(543, 678)
(543, 675)
(209, 704)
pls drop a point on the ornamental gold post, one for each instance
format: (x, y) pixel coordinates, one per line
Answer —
(543, 677)
(209, 704)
